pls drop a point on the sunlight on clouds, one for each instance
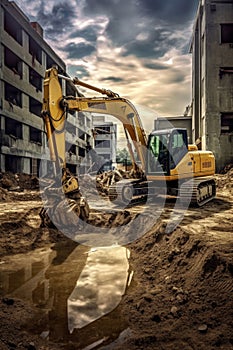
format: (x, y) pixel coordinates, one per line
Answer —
(138, 54)
(143, 36)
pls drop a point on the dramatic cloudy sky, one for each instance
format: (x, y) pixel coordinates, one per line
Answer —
(137, 48)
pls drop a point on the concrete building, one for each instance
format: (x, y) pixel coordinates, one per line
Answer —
(105, 134)
(24, 57)
(212, 78)
(175, 122)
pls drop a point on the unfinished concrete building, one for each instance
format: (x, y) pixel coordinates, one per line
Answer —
(212, 78)
(24, 57)
(105, 140)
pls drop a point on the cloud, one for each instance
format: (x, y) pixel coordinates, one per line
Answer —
(138, 48)
(174, 12)
(113, 79)
(89, 33)
(56, 19)
(78, 71)
(77, 51)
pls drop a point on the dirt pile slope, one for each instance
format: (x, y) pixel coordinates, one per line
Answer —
(182, 296)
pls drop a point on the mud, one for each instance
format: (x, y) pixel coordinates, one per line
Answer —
(180, 295)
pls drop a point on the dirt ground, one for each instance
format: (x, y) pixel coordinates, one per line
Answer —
(181, 295)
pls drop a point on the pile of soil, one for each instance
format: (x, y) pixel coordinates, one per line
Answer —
(182, 292)
(18, 182)
(225, 181)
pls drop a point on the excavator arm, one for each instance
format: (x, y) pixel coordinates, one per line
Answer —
(56, 106)
(54, 112)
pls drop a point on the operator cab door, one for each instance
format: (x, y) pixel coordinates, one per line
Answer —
(165, 150)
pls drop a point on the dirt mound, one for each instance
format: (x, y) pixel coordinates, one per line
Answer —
(182, 291)
(20, 182)
(225, 181)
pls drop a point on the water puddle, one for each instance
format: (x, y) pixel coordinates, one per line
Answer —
(77, 289)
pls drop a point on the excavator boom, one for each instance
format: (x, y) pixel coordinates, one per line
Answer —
(56, 106)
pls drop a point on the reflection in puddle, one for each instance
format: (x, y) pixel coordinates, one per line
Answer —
(74, 287)
(100, 286)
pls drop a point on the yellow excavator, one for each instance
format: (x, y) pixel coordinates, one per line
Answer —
(162, 158)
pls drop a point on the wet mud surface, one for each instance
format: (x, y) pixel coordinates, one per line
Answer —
(180, 295)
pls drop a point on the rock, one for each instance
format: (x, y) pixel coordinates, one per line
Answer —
(156, 290)
(174, 310)
(203, 328)
(168, 279)
(44, 334)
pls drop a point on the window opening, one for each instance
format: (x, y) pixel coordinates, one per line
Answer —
(35, 79)
(13, 62)
(226, 123)
(13, 96)
(35, 135)
(13, 128)
(12, 27)
(35, 106)
(227, 33)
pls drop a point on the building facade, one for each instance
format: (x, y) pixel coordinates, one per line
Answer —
(161, 123)
(212, 78)
(105, 144)
(24, 57)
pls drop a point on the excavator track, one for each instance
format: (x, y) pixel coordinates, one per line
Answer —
(203, 191)
(128, 192)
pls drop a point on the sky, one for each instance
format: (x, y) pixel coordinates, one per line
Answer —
(137, 48)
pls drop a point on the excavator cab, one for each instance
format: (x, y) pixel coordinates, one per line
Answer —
(166, 148)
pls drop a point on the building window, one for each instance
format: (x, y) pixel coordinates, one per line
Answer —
(13, 164)
(13, 128)
(71, 149)
(12, 27)
(35, 106)
(35, 79)
(13, 62)
(226, 123)
(50, 62)
(102, 143)
(81, 134)
(81, 152)
(227, 33)
(13, 96)
(35, 50)
(35, 135)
